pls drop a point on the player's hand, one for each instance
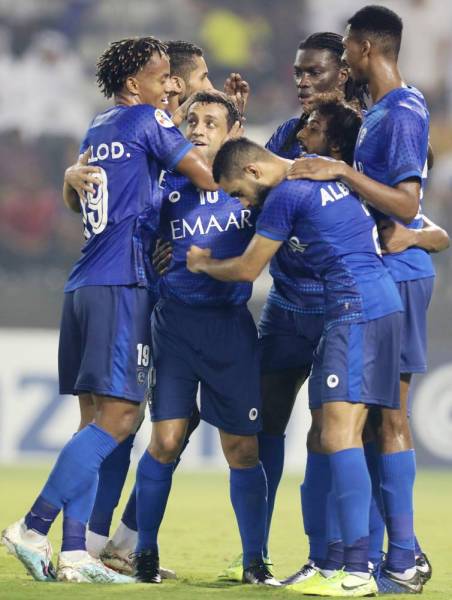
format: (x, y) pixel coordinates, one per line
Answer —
(82, 177)
(395, 237)
(238, 90)
(319, 169)
(161, 257)
(197, 257)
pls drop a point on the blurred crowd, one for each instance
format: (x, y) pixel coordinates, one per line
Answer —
(48, 96)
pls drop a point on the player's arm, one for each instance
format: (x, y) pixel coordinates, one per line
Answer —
(79, 178)
(194, 166)
(400, 201)
(246, 267)
(397, 238)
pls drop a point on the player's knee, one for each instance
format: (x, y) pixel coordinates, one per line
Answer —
(394, 425)
(314, 438)
(166, 447)
(241, 452)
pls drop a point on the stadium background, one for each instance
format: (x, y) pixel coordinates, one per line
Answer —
(48, 96)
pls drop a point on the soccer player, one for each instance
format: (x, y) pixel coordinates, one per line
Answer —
(189, 74)
(104, 338)
(327, 227)
(203, 334)
(391, 161)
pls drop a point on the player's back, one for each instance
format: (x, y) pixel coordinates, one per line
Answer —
(392, 147)
(128, 144)
(206, 219)
(326, 225)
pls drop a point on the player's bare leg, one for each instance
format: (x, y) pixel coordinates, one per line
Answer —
(87, 410)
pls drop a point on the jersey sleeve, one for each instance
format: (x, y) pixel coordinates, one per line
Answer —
(281, 209)
(406, 144)
(162, 139)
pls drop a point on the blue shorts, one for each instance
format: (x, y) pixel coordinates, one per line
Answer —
(287, 339)
(105, 340)
(214, 347)
(416, 296)
(358, 362)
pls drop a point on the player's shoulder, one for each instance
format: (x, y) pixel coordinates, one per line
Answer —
(172, 180)
(293, 189)
(407, 103)
(280, 134)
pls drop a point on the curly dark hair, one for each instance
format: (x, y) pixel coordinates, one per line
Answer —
(125, 58)
(344, 120)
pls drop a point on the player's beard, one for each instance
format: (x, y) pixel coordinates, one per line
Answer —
(261, 193)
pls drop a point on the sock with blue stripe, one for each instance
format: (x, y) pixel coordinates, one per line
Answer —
(73, 479)
(153, 486)
(334, 560)
(398, 472)
(271, 455)
(351, 482)
(112, 475)
(248, 490)
(376, 518)
(314, 495)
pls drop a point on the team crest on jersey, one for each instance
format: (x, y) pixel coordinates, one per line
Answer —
(162, 118)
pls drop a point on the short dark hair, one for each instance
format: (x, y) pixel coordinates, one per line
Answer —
(123, 59)
(182, 57)
(216, 97)
(343, 123)
(233, 154)
(380, 23)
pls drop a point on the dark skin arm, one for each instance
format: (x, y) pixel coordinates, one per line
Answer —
(400, 201)
(79, 178)
(246, 267)
(397, 238)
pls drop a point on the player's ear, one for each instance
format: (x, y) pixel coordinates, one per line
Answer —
(343, 76)
(132, 86)
(365, 48)
(253, 170)
(178, 85)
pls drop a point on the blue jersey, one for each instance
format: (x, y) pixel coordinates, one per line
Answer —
(392, 146)
(209, 220)
(334, 233)
(278, 141)
(130, 145)
(299, 291)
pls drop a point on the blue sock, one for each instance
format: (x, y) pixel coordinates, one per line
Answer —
(74, 535)
(112, 475)
(248, 489)
(417, 547)
(129, 516)
(334, 560)
(376, 518)
(351, 482)
(271, 455)
(314, 494)
(152, 489)
(74, 477)
(397, 472)
(41, 516)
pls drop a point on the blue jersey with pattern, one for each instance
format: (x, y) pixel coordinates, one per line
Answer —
(304, 292)
(335, 234)
(277, 142)
(131, 144)
(392, 146)
(210, 220)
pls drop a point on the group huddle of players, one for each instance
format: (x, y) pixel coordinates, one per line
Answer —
(177, 228)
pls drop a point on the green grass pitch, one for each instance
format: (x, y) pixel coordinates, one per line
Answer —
(199, 537)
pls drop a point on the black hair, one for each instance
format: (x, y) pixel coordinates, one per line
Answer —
(343, 123)
(332, 42)
(216, 97)
(233, 154)
(123, 59)
(182, 57)
(380, 23)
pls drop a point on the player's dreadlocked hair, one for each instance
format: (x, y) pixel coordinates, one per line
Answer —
(332, 42)
(123, 59)
(182, 56)
(343, 122)
(217, 97)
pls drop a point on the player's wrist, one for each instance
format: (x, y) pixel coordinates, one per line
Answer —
(344, 171)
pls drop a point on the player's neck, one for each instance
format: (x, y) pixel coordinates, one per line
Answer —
(279, 168)
(126, 99)
(383, 78)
